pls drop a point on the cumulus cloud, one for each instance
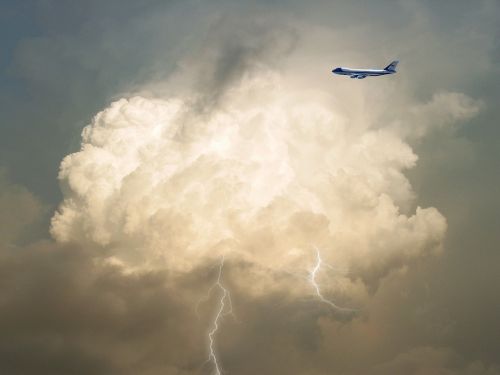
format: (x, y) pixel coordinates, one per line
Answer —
(444, 110)
(263, 177)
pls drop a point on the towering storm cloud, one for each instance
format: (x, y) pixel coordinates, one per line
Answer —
(264, 177)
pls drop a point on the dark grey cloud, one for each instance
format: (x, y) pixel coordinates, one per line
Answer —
(63, 314)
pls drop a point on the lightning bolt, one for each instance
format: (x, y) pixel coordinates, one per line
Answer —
(225, 308)
(312, 279)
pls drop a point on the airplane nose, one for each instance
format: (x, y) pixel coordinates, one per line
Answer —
(336, 70)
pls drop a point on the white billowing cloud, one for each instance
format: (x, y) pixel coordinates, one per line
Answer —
(269, 173)
(445, 109)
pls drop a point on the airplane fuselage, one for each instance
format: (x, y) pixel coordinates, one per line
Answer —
(366, 72)
(363, 73)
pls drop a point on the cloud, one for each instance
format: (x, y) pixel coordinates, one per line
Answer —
(444, 110)
(62, 312)
(433, 361)
(21, 211)
(264, 176)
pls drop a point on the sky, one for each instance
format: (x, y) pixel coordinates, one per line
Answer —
(185, 188)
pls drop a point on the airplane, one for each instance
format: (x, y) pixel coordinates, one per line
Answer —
(363, 73)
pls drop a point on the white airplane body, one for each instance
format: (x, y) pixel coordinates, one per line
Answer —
(363, 73)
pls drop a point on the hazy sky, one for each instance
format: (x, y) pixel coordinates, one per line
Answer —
(141, 142)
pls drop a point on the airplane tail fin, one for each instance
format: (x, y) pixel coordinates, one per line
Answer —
(392, 66)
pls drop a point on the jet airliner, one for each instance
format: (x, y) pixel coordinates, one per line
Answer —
(363, 73)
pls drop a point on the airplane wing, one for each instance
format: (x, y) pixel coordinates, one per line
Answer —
(358, 76)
